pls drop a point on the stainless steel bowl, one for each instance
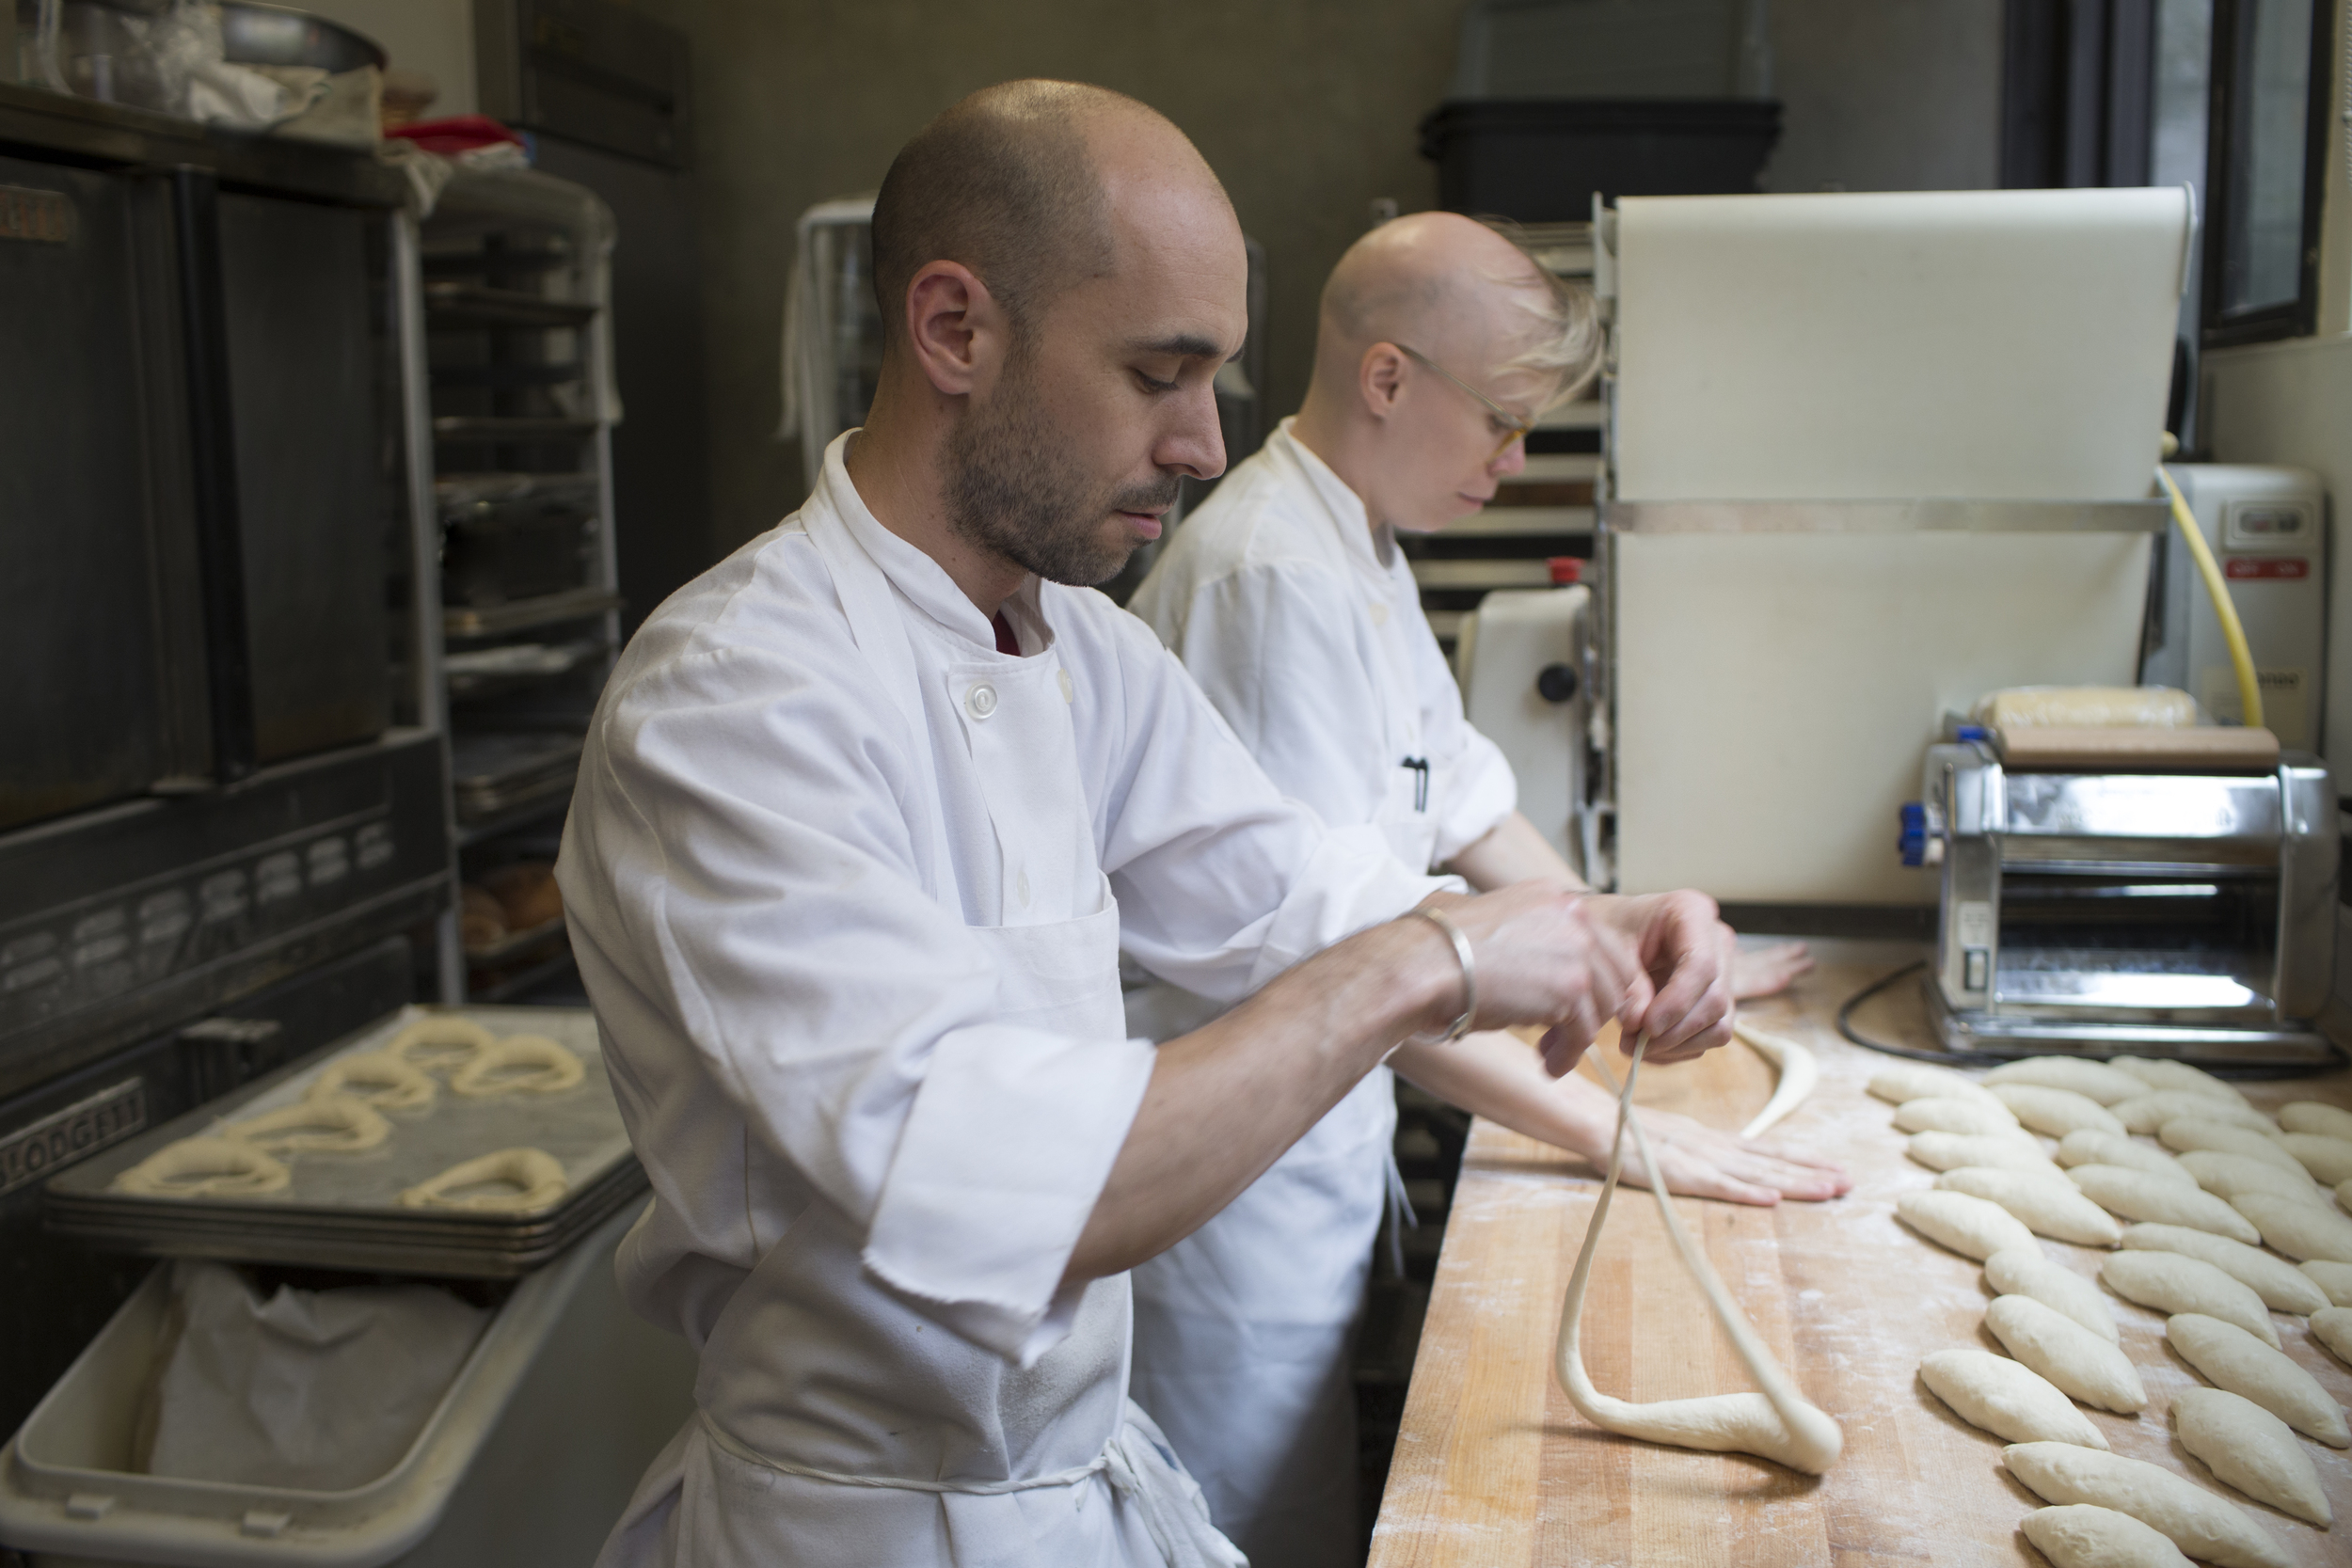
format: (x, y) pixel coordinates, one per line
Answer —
(280, 35)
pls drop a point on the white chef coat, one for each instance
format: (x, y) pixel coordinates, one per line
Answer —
(1306, 630)
(847, 887)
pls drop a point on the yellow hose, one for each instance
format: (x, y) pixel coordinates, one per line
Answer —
(2249, 692)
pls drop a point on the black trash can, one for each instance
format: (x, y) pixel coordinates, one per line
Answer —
(1539, 160)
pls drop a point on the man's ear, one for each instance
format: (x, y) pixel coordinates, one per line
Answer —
(957, 330)
(1379, 377)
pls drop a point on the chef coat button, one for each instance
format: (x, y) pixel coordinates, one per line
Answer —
(1063, 676)
(1379, 614)
(1021, 888)
(980, 700)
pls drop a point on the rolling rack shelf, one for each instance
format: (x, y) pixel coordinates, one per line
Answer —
(519, 349)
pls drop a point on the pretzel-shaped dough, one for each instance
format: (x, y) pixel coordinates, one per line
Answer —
(493, 1070)
(1778, 1423)
(323, 1124)
(534, 1176)
(377, 1078)
(205, 1167)
(440, 1041)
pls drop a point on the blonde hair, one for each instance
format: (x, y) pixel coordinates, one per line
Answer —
(1568, 336)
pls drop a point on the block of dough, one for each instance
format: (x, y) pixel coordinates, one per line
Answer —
(1951, 1150)
(2327, 1159)
(2078, 1361)
(2172, 1282)
(2149, 1111)
(2234, 1359)
(2333, 1327)
(2101, 1148)
(2137, 1195)
(2094, 1080)
(1973, 1116)
(2077, 1535)
(2333, 1279)
(2225, 1176)
(2007, 1398)
(2197, 1520)
(1903, 1081)
(2176, 1077)
(2282, 1287)
(2056, 1112)
(2049, 1205)
(2309, 1116)
(1969, 1226)
(2028, 1272)
(2189, 1134)
(2249, 1447)
(2298, 1229)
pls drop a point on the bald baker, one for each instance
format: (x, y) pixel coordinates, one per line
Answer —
(866, 815)
(1439, 342)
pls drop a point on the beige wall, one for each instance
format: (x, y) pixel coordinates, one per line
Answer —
(1307, 108)
(432, 35)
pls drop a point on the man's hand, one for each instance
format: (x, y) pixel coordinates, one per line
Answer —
(1543, 958)
(1699, 1162)
(1680, 996)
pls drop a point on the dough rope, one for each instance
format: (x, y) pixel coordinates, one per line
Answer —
(205, 1167)
(519, 1064)
(1798, 1072)
(534, 1177)
(1777, 1424)
(441, 1042)
(323, 1124)
(379, 1079)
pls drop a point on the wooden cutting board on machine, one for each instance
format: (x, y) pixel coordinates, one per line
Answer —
(2214, 749)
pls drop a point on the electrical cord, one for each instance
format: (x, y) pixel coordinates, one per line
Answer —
(2252, 1072)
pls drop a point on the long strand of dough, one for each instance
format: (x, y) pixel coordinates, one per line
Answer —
(1798, 1072)
(1778, 1424)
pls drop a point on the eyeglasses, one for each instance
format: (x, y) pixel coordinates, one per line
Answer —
(1516, 426)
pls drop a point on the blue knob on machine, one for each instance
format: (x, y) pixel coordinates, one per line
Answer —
(1913, 843)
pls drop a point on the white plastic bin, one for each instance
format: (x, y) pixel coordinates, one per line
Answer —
(528, 1461)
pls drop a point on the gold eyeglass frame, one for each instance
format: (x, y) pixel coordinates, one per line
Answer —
(1521, 428)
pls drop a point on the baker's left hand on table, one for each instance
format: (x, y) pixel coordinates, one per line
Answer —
(1683, 997)
(1698, 1161)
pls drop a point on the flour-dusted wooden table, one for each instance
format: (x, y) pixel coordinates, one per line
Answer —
(1494, 1469)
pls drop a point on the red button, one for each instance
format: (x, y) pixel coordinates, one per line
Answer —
(1566, 569)
(2292, 568)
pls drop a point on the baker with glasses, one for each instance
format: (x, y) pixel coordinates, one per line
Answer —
(1440, 343)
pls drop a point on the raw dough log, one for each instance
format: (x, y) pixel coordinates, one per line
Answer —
(2282, 1286)
(323, 1124)
(379, 1079)
(2066, 1353)
(1778, 1423)
(2333, 1279)
(2225, 1176)
(2333, 1327)
(2094, 1080)
(1798, 1073)
(1951, 1150)
(2176, 1077)
(1903, 1081)
(2190, 1134)
(2309, 1116)
(2171, 1282)
(2234, 1359)
(2049, 1205)
(2296, 1228)
(2251, 1449)
(1999, 1396)
(519, 1064)
(2026, 1272)
(440, 1041)
(2077, 1535)
(2152, 1110)
(2057, 1112)
(2198, 1522)
(2327, 1159)
(1969, 1226)
(527, 1180)
(2101, 1148)
(2137, 1195)
(1973, 1117)
(205, 1167)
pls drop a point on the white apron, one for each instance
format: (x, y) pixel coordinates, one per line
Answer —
(922, 1446)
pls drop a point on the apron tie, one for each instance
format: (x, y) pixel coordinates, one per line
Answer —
(1399, 1215)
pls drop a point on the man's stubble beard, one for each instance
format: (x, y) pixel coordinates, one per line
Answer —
(1014, 489)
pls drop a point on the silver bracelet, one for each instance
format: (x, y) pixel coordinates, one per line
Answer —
(1470, 976)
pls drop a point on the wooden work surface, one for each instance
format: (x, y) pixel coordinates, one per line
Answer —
(1494, 1468)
